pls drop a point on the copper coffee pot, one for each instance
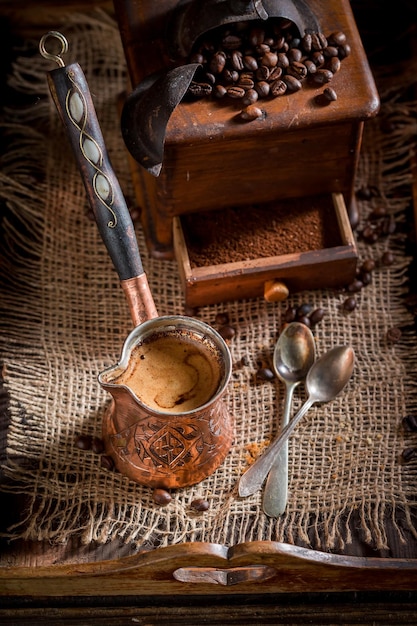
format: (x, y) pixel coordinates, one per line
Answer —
(150, 444)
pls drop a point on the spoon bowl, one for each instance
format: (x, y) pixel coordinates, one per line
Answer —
(294, 355)
(325, 380)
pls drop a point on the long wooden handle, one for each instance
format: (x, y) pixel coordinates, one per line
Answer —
(73, 100)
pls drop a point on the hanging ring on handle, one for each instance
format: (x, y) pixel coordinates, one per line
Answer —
(53, 34)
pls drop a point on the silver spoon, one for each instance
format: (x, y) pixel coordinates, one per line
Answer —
(325, 380)
(294, 355)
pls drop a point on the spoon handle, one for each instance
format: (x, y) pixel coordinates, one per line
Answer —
(276, 488)
(253, 478)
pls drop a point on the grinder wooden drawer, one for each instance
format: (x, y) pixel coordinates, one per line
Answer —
(205, 280)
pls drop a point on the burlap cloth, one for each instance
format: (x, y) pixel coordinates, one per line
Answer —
(64, 319)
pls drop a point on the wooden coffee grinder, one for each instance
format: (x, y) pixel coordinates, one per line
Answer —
(195, 155)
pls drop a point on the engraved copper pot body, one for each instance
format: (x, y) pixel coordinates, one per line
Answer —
(160, 448)
(180, 437)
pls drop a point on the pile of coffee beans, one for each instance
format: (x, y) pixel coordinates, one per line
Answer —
(379, 225)
(224, 328)
(96, 445)
(255, 60)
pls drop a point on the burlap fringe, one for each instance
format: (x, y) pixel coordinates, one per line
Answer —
(134, 520)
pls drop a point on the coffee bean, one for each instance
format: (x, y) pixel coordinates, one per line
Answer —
(251, 63)
(219, 91)
(349, 304)
(322, 76)
(304, 319)
(250, 113)
(265, 373)
(368, 265)
(270, 59)
(303, 309)
(197, 57)
(263, 48)
(330, 52)
(410, 422)
(200, 90)
(318, 59)
(222, 318)
(275, 74)
(377, 212)
(294, 55)
(355, 286)
(330, 94)
(344, 51)
(199, 504)
(408, 454)
(388, 258)
(306, 42)
(285, 23)
(229, 77)
(191, 311)
(245, 361)
(263, 72)
(370, 234)
(250, 98)
(263, 89)
(97, 445)
(364, 193)
(278, 88)
(393, 335)
(282, 60)
(316, 316)
(217, 62)
(366, 278)
(245, 82)
(293, 84)
(235, 92)
(298, 70)
(236, 60)
(318, 41)
(333, 65)
(161, 496)
(311, 67)
(84, 442)
(337, 38)
(227, 332)
(106, 462)
(290, 314)
(210, 78)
